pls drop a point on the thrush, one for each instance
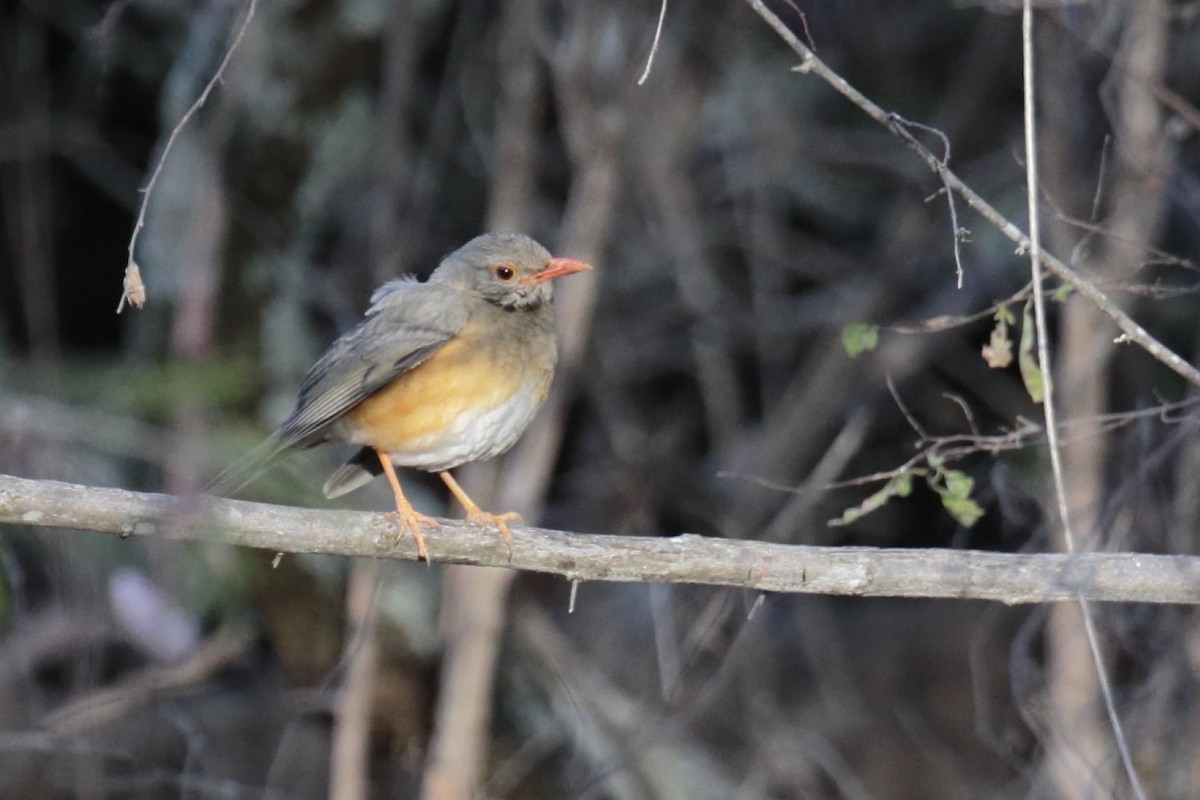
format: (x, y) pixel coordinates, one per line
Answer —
(437, 374)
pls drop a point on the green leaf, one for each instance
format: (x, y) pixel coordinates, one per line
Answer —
(1031, 374)
(1063, 291)
(1005, 315)
(964, 510)
(899, 486)
(954, 487)
(859, 337)
(958, 483)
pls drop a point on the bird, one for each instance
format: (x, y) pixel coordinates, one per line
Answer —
(437, 374)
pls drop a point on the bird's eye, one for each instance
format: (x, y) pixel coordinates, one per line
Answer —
(504, 272)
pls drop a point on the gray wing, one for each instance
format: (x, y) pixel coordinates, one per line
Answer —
(407, 323)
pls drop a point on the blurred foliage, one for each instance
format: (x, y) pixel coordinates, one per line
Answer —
(859, 338)
(152, 390)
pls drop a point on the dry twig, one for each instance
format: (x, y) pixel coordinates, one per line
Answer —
(662, 16)
(133, 290)
(1136, 333)
(103, 707)
(1069, 779)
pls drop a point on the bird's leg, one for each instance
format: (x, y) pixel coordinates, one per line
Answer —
(479, 516)
(406, 515)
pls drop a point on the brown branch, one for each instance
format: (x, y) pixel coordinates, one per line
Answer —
(107, 705)
(349, 756)
(900, 128)
(857, 571)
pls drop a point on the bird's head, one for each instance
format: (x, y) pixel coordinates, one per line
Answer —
(508, 269)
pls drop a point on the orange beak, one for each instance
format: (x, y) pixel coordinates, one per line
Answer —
(556, 268)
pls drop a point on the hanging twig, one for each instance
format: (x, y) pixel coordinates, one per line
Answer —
(133, 290)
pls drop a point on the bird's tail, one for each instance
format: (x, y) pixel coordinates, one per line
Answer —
(248, 469)
(358, 471)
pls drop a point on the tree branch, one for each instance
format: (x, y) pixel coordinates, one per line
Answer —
(899, 127)
(858, 571)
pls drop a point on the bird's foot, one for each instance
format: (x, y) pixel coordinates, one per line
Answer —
(411, 519)
(499, 521)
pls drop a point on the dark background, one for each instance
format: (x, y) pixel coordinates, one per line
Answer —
(739, 215)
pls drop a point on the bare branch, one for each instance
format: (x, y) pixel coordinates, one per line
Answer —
(1065, 770)
(133, 290)
(662, 16)
(858, 571)
(1136, 333)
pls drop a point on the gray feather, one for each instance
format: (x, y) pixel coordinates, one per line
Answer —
(407, 325)
(350, 476)
(249, 468)
(380, 295)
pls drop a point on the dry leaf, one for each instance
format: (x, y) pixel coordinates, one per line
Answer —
(133, 290)
(998, 352)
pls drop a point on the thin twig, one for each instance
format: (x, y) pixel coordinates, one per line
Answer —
(961, 402)
(1136, 333)
(662, 15)
(131, 268)
(1043, 338)
(954, 447)
(908, 415)
(1039, 294)
(856, 571)
(948, 321)
(1156, 256)
(960, 234)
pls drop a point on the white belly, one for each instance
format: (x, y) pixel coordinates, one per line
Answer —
(474, 435)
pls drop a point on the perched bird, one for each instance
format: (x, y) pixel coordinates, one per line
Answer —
(438, 374)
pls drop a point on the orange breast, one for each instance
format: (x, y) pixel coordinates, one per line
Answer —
(447, 407)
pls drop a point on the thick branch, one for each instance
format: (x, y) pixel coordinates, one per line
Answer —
(859, 571)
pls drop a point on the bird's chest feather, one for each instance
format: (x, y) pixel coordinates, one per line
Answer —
(470, 401)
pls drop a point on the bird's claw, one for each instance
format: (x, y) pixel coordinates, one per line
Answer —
(498, 521)
(412, 520)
